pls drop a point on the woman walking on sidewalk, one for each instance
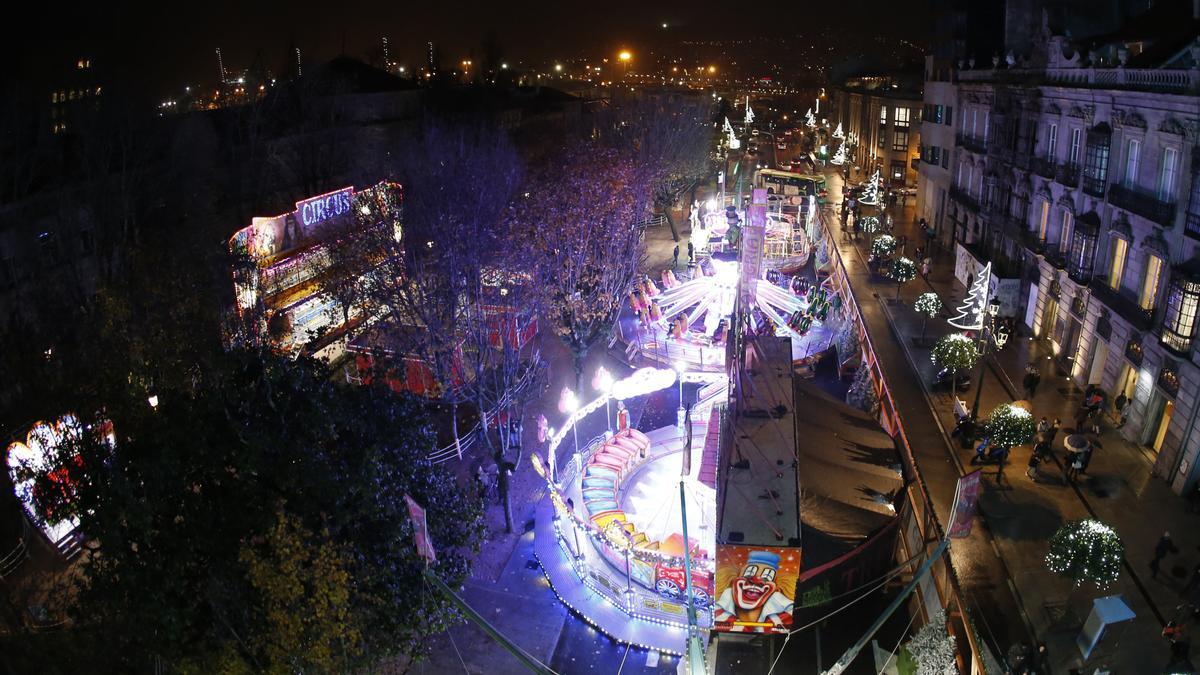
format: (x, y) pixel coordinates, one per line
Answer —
(926, 268)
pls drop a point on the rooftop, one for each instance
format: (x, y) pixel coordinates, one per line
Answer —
(758, 498)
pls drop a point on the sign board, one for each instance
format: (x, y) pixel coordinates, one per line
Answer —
(316, 210)
(1007, 292)
(966, 496)
(753, 237)
(420, 530)
(755, 588)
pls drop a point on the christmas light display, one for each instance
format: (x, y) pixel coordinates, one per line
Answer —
(903, 270)
(869, 224)
(1086, 551)
(839, 157)
(837, 133)
(1009, 425)
(970, 312)
(932, 648)
(954, 351)
(810, 120)
(928, 304)
(870, 196)
(883, 246)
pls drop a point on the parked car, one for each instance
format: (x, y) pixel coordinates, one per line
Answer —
(962, 382)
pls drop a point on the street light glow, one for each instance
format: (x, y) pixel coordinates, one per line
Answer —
(624, 55)
(558, 67)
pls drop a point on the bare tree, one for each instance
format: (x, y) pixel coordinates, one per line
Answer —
(584, 248)
(428, 275)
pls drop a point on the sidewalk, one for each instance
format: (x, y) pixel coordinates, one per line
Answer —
(1021, 514)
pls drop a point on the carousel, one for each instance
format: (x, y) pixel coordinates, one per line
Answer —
(686, 322)
(631, 514)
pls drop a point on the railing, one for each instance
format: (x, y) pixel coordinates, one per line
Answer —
(1033, 241)
(929, 529)
(1153, 79)
(970, 142)
(1094, 186)
(1191, 226)
(1045, 167)
(1068, 174)
(964, 197)
(1126, 307)
(1143, 203)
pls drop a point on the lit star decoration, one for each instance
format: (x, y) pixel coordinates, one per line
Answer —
(1009, 425)
(1086, 551)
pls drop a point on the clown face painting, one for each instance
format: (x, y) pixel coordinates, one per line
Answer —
(753, 602)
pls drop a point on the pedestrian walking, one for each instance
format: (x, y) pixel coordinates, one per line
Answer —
(1034, 460)
(1074, 464)
(1121, 407)
(675, 257)
(691, 252)
(857, 227)
(1085, 458)
(926, 268)
(1031, 381)
(903, 241)
(1042, 428)
(1164, 547)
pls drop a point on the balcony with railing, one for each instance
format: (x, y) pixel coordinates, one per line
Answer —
(1191, 226)
(1094, 186)
(1045, 167)
(1142, 79)
(1144, 203)
(1122, 304)
(972, 143)
(964, 197)
(1068, 174)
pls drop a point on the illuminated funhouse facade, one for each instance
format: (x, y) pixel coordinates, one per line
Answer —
(287, 262)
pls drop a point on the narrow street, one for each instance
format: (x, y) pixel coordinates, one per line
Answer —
(1001, 566)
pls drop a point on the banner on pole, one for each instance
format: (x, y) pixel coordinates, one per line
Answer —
(966, 497)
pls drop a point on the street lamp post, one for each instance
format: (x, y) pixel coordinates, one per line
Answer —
(603, 383)
(568, 403)
(624, 58)
(988, 336)
(680, 369)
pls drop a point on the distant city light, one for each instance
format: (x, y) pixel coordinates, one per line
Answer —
(558, 67)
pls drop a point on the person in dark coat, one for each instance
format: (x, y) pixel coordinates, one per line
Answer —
(1164, 547)
(1031, 382)
(675, 257)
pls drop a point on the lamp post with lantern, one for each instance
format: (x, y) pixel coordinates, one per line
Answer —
(991, 335)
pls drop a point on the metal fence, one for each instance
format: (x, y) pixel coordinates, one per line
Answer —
(921, 527)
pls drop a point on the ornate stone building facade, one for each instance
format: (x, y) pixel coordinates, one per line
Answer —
(1077, 174)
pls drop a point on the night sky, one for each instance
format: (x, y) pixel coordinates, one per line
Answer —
(168, 44)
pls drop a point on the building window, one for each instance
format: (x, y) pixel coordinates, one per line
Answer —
(1051, 140)
(898, 168)
(1083, 249)
(1073, 155)
(1149, 292)
(900, 140)
(1192, 224)
(902, 117)
(1064, 235)
(1183, 304)
(1095, 167)
(987, 117)
(1044, 221)
(882, 115)
(1168, 174)
(1133, 152)
(946, 165)
(949, 115)
(1116, 265)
